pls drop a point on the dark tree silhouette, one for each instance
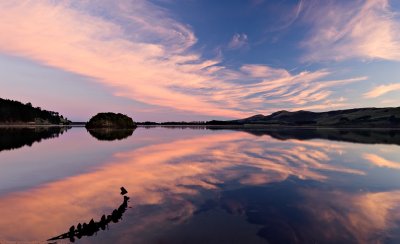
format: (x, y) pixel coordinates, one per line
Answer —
(14, 112)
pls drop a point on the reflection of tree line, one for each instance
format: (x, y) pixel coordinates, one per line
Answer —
(93, 227)
(367, 136)
(16, 137)
(181, 127)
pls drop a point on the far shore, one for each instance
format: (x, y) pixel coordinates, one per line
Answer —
(38, 125)
(261, 126)
(245, 126)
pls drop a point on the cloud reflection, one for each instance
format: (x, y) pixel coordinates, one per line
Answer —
(167, 175)
(364, 217)
(381, 162)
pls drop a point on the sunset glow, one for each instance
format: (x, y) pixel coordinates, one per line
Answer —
(197, 60)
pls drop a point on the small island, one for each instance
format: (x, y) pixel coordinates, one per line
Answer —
(110, 121)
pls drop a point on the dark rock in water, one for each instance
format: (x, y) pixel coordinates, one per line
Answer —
(79, 227)
(123, 191)
(93, 226)
(72, 230)
(115, 216)
(103, 222)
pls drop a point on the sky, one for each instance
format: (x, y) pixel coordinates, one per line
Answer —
(187, 60)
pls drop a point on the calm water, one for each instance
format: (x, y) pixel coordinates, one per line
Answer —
(201, 185)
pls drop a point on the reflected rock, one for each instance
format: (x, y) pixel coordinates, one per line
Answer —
(16, 137)
(111, 134)
(123, 191)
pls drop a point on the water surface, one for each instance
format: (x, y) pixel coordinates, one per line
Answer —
(203, 186)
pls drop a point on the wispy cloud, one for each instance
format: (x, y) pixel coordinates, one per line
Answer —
(238, 41)
(271, 88)
(263, 71)
(382, 90)
(128, 48)
(366, 29)
(290, 17)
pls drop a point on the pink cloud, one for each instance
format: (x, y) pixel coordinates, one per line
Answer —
(382, 90)
(263, 71)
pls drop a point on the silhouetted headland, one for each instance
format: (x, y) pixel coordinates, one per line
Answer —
(93, 227)
(16, 113)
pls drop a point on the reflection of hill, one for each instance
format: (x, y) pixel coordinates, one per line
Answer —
(16, 137)
(368, 136)
(110, 134)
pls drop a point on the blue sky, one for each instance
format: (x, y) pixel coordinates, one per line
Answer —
(189, 60)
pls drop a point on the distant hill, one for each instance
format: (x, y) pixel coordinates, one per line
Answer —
(14, 112)
(358, 117)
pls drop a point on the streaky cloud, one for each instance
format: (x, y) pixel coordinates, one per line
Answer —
(382, 90)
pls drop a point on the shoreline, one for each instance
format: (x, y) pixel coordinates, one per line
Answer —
(249, 126)
(33, 126)
(246, 126)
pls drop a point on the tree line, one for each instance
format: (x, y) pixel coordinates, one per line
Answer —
(16, 112)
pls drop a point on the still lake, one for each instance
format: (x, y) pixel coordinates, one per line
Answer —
(198, 185)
